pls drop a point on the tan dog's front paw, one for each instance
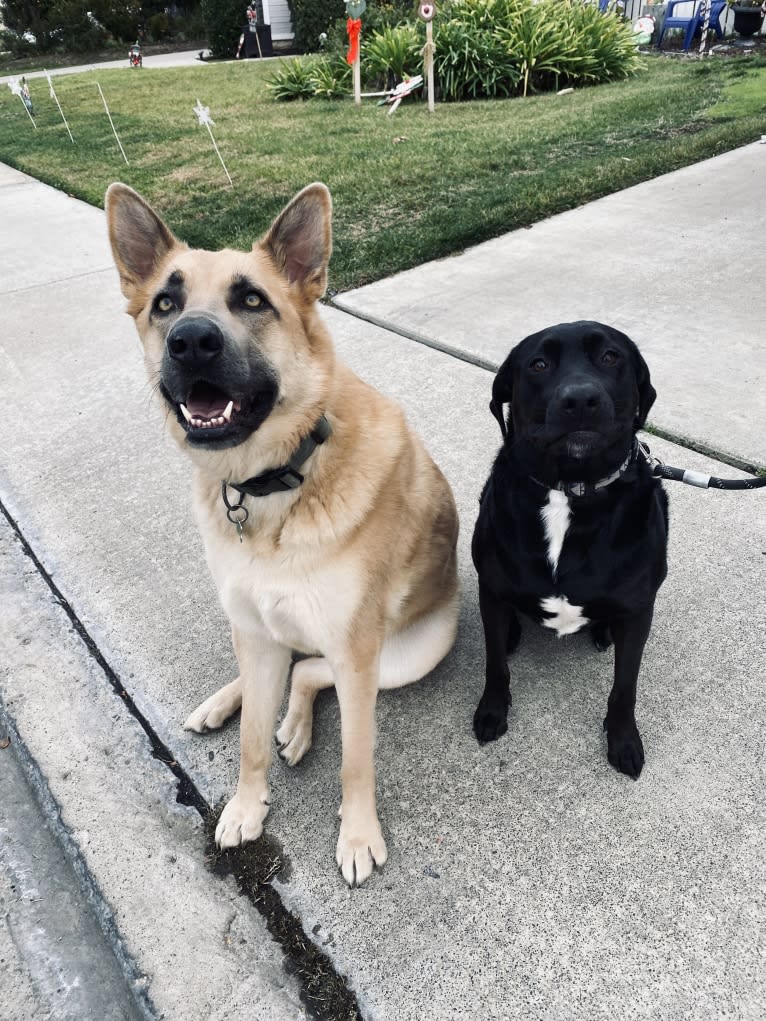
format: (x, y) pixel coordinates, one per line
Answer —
(241, 820)
(360, 848)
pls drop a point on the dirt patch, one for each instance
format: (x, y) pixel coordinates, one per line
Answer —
(325, 993)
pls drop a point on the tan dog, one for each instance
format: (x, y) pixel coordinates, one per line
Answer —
(339, 541)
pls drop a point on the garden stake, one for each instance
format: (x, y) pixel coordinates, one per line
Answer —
(426, 13)
(114, 129)
(204, 118)
(707, 11)
(22, 91)
(56, 98)
(354, 10)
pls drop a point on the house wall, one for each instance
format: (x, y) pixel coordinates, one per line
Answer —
(277, 14)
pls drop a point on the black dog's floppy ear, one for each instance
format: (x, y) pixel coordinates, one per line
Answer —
(646, 392)
(502, 393)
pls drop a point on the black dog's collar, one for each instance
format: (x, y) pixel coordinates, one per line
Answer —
(588, 488)
(277, 480)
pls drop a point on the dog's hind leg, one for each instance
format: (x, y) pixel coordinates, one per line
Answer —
(309, 677)
(410, 654)
(215, 710)
(406, 656)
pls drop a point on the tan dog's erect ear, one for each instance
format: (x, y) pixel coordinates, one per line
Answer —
(300, 240)
(139, 238)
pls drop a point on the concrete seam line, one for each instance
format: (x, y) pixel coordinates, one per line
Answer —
(60, 280)
(484, 363)
(285, 927)
(104, 914)
(419, 338)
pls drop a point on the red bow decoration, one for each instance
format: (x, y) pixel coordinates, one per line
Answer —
(354, 29)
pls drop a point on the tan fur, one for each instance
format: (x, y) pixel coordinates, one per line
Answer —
(357, 566)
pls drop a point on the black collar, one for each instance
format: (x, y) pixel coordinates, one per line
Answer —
(277, 480)
(589, 488)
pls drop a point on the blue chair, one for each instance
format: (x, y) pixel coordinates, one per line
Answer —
(688, 15)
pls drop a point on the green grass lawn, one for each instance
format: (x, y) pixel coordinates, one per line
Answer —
(407, 188)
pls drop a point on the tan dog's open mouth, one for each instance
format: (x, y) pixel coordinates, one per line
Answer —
(207, 407)
(212, 417)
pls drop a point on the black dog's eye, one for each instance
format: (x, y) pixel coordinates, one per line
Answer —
(610, 357)
(163, 303)
(538, 365)
(252, 300)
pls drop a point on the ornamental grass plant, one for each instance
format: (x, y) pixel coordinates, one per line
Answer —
(487, 49)
(506, 47)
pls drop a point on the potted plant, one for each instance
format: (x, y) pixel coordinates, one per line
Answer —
(748, 15)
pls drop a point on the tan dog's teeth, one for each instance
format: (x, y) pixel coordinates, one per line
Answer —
(185, 412)
(227, 410)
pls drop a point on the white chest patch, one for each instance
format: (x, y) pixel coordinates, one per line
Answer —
(556, 515)
(567, 618)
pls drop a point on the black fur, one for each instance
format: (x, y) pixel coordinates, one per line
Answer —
(577, 394)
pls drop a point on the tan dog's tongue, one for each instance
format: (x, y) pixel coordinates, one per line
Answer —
(207, 406)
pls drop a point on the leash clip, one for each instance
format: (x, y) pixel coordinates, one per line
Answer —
(654, 462)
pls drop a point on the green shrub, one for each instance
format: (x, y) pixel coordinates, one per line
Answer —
(158, 27)
(311, 18)
(388, 15)
(331, 78)
(122, 21)
(224, 20)
(291, 80)
(472, 59)
(393, 52)
(500, 47)
(78, 30)
(301, 78)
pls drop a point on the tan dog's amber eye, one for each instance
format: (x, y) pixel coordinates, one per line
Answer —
(253, 300)
(538, 365)
(164, 303)
(609, 357)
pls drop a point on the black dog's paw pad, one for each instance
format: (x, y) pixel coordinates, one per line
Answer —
(626, 752)
(490, 722)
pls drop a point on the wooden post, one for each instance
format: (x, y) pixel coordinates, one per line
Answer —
(430, 64)
(356, 67)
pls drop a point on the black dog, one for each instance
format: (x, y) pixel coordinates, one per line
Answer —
(572, 527)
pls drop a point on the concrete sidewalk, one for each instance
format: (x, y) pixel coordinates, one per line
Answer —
(676, 263)
(526, 879)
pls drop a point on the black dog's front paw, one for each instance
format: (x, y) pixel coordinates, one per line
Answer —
(601, 636)
(624, 748)
(490, 721)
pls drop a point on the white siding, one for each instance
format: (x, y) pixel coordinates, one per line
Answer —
(277, 14)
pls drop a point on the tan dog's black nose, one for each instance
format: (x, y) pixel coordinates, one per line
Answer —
(195, 342)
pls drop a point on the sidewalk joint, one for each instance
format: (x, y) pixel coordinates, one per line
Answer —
(58, 280)
(741, 464)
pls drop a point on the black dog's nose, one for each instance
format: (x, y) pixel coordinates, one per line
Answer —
(195, 341)
(579, 399)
